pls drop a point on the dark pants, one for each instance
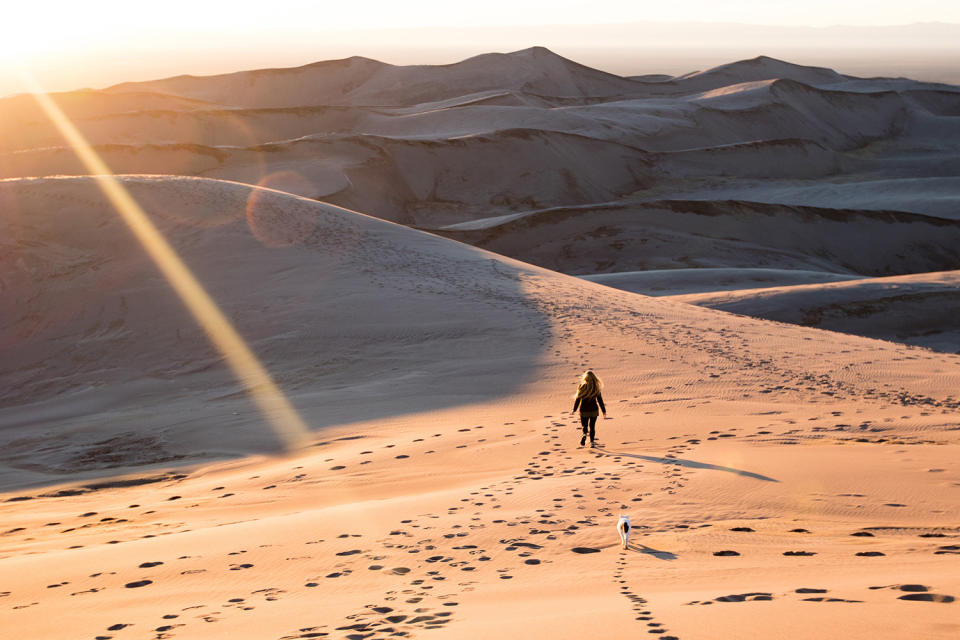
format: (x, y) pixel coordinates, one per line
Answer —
(591, 423)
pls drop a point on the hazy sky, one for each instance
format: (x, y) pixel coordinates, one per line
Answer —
(76, 43)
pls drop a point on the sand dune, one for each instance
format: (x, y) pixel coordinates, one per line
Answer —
(758, 130)
(916, 309)
(682, 234)
(777, 109)
(209, 127)
(933, 196)
(90, 103)
(753, 70)
(89, 312)
(784, 481)
(765, 465)
(676, 282)
(788, 109)
(797, 159)
(407, 180)
(23, 124)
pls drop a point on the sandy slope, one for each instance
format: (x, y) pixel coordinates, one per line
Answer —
(783, 481)
(935, 196)
(676, 282)
(334, 300)
(916, 309)
(672, 234)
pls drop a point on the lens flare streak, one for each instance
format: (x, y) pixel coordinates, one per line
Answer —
(275, 406)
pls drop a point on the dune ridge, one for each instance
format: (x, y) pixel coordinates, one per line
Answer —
(914, 309)
(670, 234)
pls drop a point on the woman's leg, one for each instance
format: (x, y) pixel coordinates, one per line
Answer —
(593, 428)
(584, 422)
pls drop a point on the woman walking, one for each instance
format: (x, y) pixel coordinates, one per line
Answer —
(590, 402)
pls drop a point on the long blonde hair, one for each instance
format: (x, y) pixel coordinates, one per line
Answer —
(590, 385)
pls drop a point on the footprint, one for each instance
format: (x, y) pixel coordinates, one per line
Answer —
(742, 597)
(927, 597)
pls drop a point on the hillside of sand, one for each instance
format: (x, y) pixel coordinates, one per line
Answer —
(782, 480)
(777, 473)
(758, 163)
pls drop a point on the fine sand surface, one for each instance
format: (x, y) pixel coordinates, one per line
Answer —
(783, 481)
(677, 282)
(768, 259)
(918, 309)
(683, 234)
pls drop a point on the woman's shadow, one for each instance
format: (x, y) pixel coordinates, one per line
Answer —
(681, 462)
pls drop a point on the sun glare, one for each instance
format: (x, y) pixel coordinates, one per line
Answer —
(276, 408)
(16, 48)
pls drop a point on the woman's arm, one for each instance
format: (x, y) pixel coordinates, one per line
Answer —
(602, 408)
(576, 404)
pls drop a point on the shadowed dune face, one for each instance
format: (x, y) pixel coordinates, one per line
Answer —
(918, 309)
(354, 314)
(914, 309)
(698, 234)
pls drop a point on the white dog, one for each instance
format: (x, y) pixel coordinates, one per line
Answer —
(623, 528)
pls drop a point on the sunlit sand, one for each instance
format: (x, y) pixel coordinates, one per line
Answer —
(760, 260)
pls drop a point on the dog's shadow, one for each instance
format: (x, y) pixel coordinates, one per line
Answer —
(656, 553)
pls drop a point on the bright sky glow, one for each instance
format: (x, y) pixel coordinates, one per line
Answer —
(68, 22)
(71, 44)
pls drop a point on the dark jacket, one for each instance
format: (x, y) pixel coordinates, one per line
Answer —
(588, 406)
